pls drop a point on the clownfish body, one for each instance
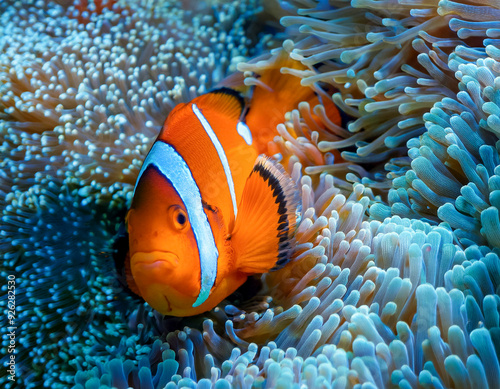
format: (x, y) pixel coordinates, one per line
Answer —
(208, 210)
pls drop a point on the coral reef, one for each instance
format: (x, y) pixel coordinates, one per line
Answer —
(395, 276)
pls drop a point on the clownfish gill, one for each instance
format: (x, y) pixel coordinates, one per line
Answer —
(208, 208)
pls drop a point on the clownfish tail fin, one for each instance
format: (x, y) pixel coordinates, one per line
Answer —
(278, 89)
(263, 233)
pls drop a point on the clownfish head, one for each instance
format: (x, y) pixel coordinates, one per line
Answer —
(164, 254)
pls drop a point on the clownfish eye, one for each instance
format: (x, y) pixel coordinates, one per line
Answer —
(181, 218)
(178, 217)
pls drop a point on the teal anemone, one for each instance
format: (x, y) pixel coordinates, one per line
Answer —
(394, 281)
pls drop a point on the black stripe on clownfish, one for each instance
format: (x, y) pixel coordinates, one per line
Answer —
(275, 212)
(283, 229)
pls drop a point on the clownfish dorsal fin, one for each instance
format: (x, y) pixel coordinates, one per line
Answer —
(224, 101)
(262, 238)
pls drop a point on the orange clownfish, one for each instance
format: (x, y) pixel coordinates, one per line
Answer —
(207, 209)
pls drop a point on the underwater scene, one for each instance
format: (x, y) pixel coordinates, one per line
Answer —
(250, 194)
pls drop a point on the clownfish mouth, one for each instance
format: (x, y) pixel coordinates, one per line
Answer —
(153, 258)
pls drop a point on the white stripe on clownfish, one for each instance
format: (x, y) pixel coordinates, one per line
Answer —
(173, 167)
(220, 151)
(244, 132)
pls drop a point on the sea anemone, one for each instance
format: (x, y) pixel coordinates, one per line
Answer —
(459, 150)
(347, 44)
(395, 275)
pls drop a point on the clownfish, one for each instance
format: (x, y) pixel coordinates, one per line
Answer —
(209, 209)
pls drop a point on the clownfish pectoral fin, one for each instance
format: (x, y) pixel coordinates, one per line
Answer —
(263, 233)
